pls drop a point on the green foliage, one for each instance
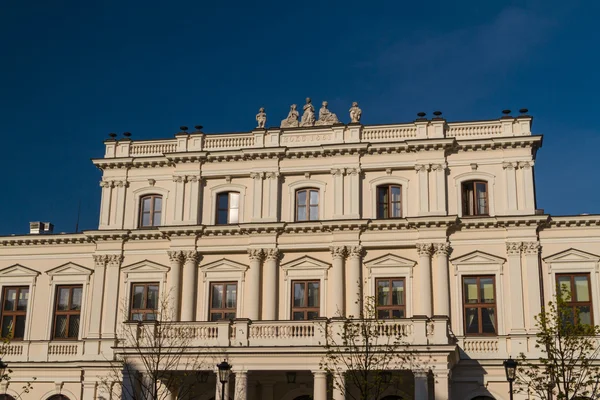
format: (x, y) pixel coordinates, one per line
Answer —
(568, 368)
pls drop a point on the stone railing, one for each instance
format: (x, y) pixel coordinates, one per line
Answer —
(63, 350)
(498, 347)
(322, 135)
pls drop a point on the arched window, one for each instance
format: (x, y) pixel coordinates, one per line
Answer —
(228, 208)
(475, 198)
(6, 397)
(150, 210)
(58, 397)
(307, 204)
(389, 201)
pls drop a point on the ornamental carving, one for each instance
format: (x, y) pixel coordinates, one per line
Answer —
(337, 172)
(257, 175)
(176, 256)
(272, 254)
(100, 260)
(179, 179)
(424, 249)
(272, 175)
(531, 248)
(326, 117)
(308, 116)
(355, 113)
(513, 248)
(338, 251)
(114, 260)
(191, 256)
(355, 251)
(261, 118)
(421, 168)
(255, 254)
(292, 119)
(442, 249)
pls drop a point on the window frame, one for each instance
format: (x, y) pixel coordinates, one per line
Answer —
(390, 307)
(223, 310)
(574, 304)
(15, 313)
(145, 310)
(306, 309)
(388, 187)
(464, 195)
(307, 206)
(68, 312)
(479, 305)
(152, 212)
(217, 209)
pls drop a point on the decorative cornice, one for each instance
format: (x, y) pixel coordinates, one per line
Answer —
(45, 240)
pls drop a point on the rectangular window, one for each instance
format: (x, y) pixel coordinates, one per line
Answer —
(389, 204)
(144, 301)
(475, 198)
(305, 300)
(14, 311)
(391, 298)
(479, 305)
(307, 205)
(67, 312)
(577, 295)
(228, 208)
(223, 301)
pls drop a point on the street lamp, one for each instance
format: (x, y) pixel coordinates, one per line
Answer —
(510, 366)
(224, 369)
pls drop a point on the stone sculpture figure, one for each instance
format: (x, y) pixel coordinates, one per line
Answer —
(326, 117)
(261, 118)
(355, 113)
(292, 119)
(308, 117)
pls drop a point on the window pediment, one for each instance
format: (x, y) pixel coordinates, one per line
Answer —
(390, 260)
(69, 269)
(478, 258)
(305, 263)
(224, 265)
(572, 256)
(18, 270)
(145, 266)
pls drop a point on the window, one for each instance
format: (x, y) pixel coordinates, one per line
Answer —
(144, 301)
(6, 397)
(390, 298)
(578, 295)
(475, 198)
(58, 397)
(228, 208)
(479, 302)
(150, 210)
(14, 310)
(223, 301)
(389, 204)
(67, 311)
(305, 300)
(307, 205)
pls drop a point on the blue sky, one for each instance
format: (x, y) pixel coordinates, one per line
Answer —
(73, 71)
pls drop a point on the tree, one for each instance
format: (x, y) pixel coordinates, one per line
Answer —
(5, 377)
(361, 353)
(568, 368)
(155, 357)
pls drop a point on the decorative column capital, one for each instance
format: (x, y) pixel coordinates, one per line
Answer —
(355, 252)
(114, 260)
(193, 178)
(421, 373)
(509, 165)
(513, 248)
(531, 248)
(191, 256)
(272, 175)
(354, 171)
(255, 254)
(338, 252)
(442, 249)
(424, 249)
(272, 254)
(176, 256)
(421, 168)
(105, 184)
(257, 175)
(179, 178)
(526, 164)
(439, 167)
(337, 171)
(100, 260)
(121, 184)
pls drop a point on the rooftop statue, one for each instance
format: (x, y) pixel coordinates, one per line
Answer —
(355, 113)
(308, 117)
(326, 117)
(261, 118)
(292, 119)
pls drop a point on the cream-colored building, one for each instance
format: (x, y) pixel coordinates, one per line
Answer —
(267, 230)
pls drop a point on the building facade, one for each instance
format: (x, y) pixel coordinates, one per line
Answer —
(260, 238)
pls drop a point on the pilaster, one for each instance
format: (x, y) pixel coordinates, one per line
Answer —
(438, 201)
(338, 192)
(251, 300)
(97, 293)
(257, 195)
(528, 187)
(354, 192)
(271, 213)
(320, 385)
(194, 183)
(109, 317)
(335, 281)
(178, 201)
(354, 281)
(441, 279)
(176, 258)
(188, 288)
(269, 284)
(510, 173)
(121, 189)
(105, 203)
(515, 287)
(423, 289)
(532, 276)
(423, 179)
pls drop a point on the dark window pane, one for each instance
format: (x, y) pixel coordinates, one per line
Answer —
(63, 299)
(313, 294)
(11, 298)
(146, 204)
(150, 317)
(216, 316)
(138, 297)
(137, 317)
(488, 320)
(298, 316)
(76, 299)
(487, 290)
(398, 293)
(73, 326)
(157, 204)
(217, 296)
(398, 313)
(229, 316)
(156, 221)
(152, 297)
(472, 320)
(222, 217)
(19, 327)
(314, 198)
(302, 198)
(231, 296)
(299, 295)
(383, 292)
(313, 314)
(582, 288)
(223, 201)
(383, 314)
(301, 214)
(314, 213)
(23, 298)
(7, 326)
(60, 329)
(585, 315)
(146, 219)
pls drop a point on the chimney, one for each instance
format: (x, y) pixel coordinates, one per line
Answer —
(39, 228)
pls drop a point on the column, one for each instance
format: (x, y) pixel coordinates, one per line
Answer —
(335, 289)
(354, 193)
(257, 198)
(110, 296)
(179, 198)
(511, 185)
(120, 203)
(128, 385)
(528, 185)
(442, 385)
(354, 282)
(423, 288)
(320, 388)
(441, 293)
(220, 386)
(252, 289)
(105, 203)
(439, 198)
(532, 276)
(188, 287)
(272, 200)
(340, 382)
(515, 287)
(97, 293)
(338, 192)
(269, 285)
(193, 199)
(421, 385)
(241, 385)
(423, 177)
(176, 258)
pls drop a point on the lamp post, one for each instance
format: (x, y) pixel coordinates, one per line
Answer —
(224, 369)
(510, 367)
